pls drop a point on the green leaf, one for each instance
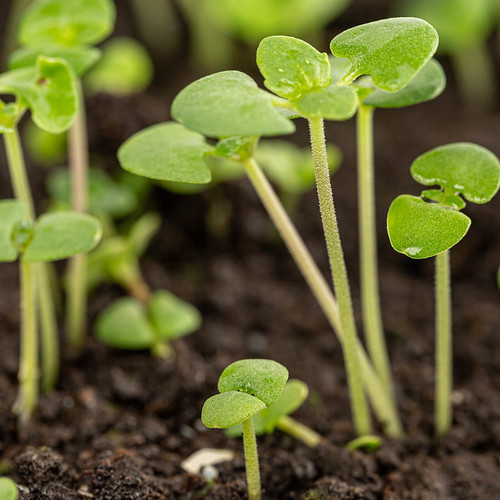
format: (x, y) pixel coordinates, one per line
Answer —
(339, 66)
(48, 149)
(331, 103)
(64, 22)
(228, 104)
(167, 151)
(61, 235)
(461, 167)
(391, 51)
(171, 316)
(141, 233)
(80, 58)
(421, 230)
(428, 83)
(49, 90)
(124, 325)
(263, 378)
(8, 489)
(11, 213)
(125, 68)
(230, 408)
(291, 66)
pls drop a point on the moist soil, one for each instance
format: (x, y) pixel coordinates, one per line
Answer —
(119, 424)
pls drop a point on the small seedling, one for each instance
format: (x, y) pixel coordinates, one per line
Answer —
(277, 416)
(51, 237)
(428, 226)
(130, 324)
(8, 489)
(246, 387)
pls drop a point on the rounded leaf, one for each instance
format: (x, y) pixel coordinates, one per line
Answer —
(61, 235)
(330, 103)
(11, 213)
(428, 83)
(8, 489)
(64, 22)
(124, 325)
(229, 408)
(291, 66)
(291, 398)
(262, 378)
(391, 51)
(228, 104)
(421, 230)
(171, 316)
(168, 152)
(461, 167)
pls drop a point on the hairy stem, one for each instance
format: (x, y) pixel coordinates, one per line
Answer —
(251, 459)
(443, 345)
(359, 406)
(372, 317)
(299, 431)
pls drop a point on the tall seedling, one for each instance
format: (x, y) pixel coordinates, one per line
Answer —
(428, 226)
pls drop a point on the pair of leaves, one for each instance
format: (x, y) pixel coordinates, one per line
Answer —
(128, 324)
(420, 229)
(246, 387)
(51, 237)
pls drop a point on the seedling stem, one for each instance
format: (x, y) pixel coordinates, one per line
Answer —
(251, 459)
(299, 431)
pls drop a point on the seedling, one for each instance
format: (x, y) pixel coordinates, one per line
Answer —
(51, 237)
(246, 387)
(8, 489)
(130, 324)
(430, 225)
(277, 416)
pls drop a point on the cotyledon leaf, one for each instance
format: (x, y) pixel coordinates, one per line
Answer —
(330, 103)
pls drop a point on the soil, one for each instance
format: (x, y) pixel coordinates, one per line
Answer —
(120, 423)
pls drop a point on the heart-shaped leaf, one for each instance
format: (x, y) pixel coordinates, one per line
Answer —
(80, 58)
(228, 104)
(61, 235)
(8, 489)
(124, 325)
(331, 103)
(11, 213)
(263, 378)
(421, 230)
(49, 90)
(391, 51)
(291, 66)
(64, 22)
(168, 152)
(171, 316)
(428, 83)
(461, 167)
(229, 408)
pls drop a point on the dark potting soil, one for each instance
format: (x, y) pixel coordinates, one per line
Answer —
(120, 423)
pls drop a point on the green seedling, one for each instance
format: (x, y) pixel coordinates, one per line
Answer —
(8, 489)
(464, 28)
(68, 30)
(428, 226)
(130, 324)
(246, 387)
(368, 443)
(51, 237)
(125, 68)
(277, 416)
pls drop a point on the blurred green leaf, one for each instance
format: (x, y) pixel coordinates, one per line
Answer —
(8, 489)
(330, 103)
(11, 213)
(48, 149)
(142, 232)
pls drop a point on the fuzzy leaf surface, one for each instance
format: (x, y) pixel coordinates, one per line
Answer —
(262, 378)
(11, 212)
(291, 66)
(461, 167)
(428, 83)
(330, 103)
(228, 104)
(420, 230)
(61, 235)
(167, 151)
(229, 408)
(391, 51)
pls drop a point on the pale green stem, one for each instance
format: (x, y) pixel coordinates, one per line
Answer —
(443, 345)
(359, 406)
(76, 309)
(251, 459)
(28, 358)
(321, 291)
(372, 317)
(299, 431)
